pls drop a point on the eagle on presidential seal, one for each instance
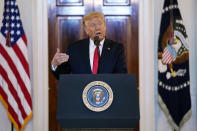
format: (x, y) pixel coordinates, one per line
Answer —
(97, 96)
(174, 52)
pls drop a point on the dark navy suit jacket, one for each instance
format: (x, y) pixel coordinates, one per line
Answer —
(112, 59)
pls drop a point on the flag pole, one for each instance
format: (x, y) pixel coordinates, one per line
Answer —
(12, 127)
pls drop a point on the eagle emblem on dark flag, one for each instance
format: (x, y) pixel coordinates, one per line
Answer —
(173, 67)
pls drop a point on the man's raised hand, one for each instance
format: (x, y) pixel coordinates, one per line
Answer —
(59, 58)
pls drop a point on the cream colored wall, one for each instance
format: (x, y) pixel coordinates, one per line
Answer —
(196, 39)
(150, 16)
(187, 10)
(146, 57)
(1, 11)
(26, 16)
(25, 7)
(34, 17)
(40, 64)
(4, 121)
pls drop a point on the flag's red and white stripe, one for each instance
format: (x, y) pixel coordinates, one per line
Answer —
(167, 57)
(15, 87)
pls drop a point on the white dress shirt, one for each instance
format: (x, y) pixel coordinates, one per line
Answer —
(92, 47)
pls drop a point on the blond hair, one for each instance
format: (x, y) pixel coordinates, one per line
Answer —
(92, 15)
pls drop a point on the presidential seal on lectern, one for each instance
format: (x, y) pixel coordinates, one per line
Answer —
(97, 96)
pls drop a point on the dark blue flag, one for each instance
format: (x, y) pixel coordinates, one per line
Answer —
(173, 67)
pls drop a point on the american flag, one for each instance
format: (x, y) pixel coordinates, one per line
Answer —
(15, 86)
(169, 55)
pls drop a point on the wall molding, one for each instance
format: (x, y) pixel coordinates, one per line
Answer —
(146, 57)
(40, 65)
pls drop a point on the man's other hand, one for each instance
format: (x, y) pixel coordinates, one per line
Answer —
(59, 58)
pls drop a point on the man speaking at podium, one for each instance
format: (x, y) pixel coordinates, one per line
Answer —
(93, 55)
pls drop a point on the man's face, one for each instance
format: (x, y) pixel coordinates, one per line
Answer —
(95, 27)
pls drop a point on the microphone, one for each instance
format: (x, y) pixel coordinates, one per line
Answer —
(97, 42)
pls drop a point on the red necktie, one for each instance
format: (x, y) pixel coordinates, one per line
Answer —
(95, 61)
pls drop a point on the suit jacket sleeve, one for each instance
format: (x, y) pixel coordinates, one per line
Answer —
(64, 68)
(121, 66)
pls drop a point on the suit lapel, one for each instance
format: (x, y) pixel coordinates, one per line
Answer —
(104, 55)
(87, 57)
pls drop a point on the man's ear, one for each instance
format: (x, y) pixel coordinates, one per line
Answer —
(86, 30)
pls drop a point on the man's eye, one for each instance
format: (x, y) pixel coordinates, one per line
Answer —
(99, 23)
(92, 25)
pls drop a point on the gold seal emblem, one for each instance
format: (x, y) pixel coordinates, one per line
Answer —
(97, 96)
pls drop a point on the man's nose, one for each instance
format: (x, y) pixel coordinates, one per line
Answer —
(97, 27)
